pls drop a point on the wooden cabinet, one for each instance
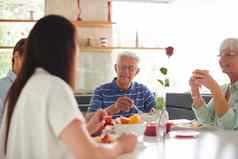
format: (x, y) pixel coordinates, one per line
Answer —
(80, 24)
(97, 24)
(103, 24)
(84, 24)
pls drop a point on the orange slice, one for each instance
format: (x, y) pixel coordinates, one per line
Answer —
(125, 120)
(135, 119)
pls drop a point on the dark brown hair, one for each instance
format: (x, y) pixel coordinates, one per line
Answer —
(20, 47)
(51, 45)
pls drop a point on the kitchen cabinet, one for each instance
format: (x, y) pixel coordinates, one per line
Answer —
(81, 24)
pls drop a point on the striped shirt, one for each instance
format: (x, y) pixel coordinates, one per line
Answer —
(107, 94)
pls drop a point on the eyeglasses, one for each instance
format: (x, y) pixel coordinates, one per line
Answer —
(131, 68)
(228, 53)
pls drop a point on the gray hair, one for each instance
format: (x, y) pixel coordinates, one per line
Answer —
(128, 54)
(229, 45)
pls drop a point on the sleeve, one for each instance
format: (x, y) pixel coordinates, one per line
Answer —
(206, 113)
(230, 119)
(149, 100)
(63, 108)
(96, 101)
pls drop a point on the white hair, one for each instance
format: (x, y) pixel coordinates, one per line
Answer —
(229, 44)
(128, 54)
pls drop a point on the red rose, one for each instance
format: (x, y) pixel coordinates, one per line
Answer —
(169, 51)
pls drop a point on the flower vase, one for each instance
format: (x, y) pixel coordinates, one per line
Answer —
(160, 99)
(162, 117)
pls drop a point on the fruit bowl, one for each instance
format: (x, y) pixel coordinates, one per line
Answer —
(125, 128)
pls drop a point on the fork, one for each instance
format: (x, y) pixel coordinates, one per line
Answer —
(138, 110)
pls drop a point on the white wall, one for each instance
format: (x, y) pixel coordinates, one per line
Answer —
(93, 68)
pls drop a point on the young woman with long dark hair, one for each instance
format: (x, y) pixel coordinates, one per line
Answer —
(41, 118)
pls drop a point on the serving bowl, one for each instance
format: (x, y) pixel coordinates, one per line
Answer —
(134, 128)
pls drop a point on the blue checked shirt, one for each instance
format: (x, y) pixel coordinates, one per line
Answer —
(107, 94)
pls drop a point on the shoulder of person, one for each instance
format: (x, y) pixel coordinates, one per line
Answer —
(224, 86)
(53, 81)
(61, 84)
(140, 86)
(104, 86)
(2, 80)
(5, 84)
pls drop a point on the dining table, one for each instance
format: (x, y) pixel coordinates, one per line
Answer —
(205, 143)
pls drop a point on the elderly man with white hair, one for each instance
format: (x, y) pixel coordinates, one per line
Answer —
(222, 110)
(122, 96)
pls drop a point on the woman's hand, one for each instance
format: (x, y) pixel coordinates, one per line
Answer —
(202, 77)
(193, 83)
(96, 122)
(127, 142)
(194, 87)
(198, 101)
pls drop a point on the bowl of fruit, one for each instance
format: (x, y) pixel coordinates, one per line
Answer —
(129, 124)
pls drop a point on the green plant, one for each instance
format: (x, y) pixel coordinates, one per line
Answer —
(160, 103)
(164, 82)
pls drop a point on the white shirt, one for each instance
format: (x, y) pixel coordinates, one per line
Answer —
(44, 108)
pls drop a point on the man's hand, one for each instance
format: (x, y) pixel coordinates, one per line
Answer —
(124, 104)
(96, 122)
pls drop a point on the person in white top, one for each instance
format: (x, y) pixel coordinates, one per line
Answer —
(6, 82)
(41, 118)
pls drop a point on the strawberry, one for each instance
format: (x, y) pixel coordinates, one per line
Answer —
(106, 139)
(108, 120)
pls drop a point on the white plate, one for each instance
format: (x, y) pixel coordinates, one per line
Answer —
(184, 134)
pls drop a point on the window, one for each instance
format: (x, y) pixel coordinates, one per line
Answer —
(195, 30)
(27, 9)
(5, 61)
(11, 32)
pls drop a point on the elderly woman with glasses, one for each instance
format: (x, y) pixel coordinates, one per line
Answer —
(222, 109)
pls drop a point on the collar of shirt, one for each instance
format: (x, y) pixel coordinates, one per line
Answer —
(40, 70)
(234, 86)
(114, 85)
(11, 75)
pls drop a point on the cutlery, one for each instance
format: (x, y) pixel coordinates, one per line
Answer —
(138, 110)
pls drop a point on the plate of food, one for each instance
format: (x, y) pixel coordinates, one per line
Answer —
(186, 124)
(184, 134)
